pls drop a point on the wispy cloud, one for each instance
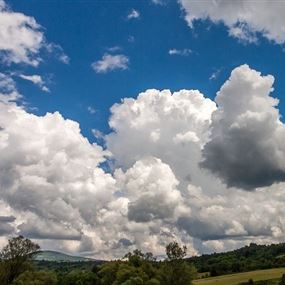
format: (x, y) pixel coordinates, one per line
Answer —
(37, 80)
(134, 14)
(91, 110)
(182, 52)
(158, 2)
(215, 74)
(114, 48)
(58, 52)
(111, 62)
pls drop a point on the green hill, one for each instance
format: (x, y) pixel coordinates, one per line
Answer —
(55, 256)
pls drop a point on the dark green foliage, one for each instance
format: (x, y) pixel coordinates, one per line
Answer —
(175, 252)
(248, 258)
(79, 277)
(175, 270)
(36, 278)
(15, 258)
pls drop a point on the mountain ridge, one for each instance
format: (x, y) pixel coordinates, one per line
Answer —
(57, 256)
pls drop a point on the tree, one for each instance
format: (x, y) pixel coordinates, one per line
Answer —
(175, 252)
(134, 281)
(36, 278)
(175, 270)
(79, 277)
(15, 257)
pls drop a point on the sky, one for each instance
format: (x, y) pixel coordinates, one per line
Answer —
(130, 124)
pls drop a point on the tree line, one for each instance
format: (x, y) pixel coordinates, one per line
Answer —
(247, 258)
(135, 268)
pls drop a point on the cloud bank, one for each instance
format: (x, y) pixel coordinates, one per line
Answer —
(179, 162)
(186, 181)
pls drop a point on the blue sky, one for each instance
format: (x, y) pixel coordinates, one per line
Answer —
(203, 163)
(86, 29)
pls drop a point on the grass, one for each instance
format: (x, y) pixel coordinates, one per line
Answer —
(234, 279)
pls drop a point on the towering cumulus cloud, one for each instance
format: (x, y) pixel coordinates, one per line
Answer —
(246, 146)
(164, 125)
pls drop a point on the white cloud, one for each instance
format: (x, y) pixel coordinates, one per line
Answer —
(110, 63)
(182, 52)
(175, 129)
(134, 14)
(37, 80)
(245, 147)
(244, 19)
(21, 37)
(151, 188)
(50, 174)
(8, 89)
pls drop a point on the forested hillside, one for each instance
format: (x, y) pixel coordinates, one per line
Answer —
(244, 259)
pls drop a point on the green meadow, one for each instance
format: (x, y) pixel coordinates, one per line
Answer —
(234, 279)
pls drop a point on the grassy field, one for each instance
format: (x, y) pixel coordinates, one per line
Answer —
(233, 279)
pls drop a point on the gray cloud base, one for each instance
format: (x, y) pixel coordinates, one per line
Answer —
(245, 147)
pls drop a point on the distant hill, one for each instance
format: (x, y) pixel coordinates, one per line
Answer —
(55, 256)
(247, 258)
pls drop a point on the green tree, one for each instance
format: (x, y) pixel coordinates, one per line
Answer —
(153, 281)
(175, 270)
(80, 277)
(175, 252)
(36, 278)
(108, 272)
(15, 257)
(133, 281)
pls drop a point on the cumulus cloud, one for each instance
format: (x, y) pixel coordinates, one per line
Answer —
(21, 37)
(51, 179)
(172, 127)
(111, 62)
(51, 175)
(37, 80)
(245, 147)
(178, 129)
(150, 185)
(244, 19)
